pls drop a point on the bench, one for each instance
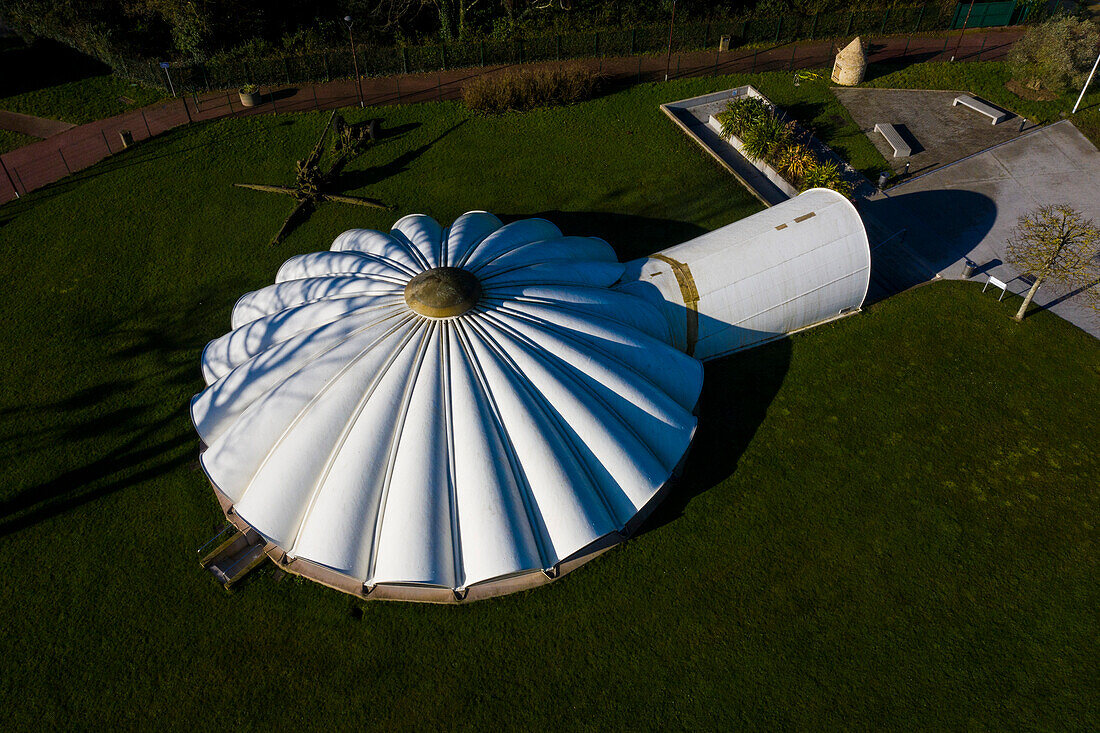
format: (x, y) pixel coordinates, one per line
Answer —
(979, 106)
(897, 142)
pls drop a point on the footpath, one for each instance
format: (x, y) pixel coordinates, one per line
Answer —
(64, 152)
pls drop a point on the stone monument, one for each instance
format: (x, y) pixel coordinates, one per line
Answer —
(850, 65)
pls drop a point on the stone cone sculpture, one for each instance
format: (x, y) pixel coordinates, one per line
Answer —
(850, 64)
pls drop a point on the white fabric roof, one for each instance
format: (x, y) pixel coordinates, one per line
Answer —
(398, 448)
(797, 264)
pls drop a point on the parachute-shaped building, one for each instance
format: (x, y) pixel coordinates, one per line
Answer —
(450, 414)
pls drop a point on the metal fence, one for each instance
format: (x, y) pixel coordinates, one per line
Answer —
(387, 61)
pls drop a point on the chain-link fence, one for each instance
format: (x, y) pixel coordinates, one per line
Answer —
(386, 61)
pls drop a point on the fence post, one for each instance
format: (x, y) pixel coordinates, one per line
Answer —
(745, 31)
(5, 167)
(920, 17)
(443, 55)
(885, 17)
(519, 48)
(753, 71)
(778, 28)
(906, 51)
(70, 170)
(794, 50)
(984, 38)
(205, 81)
(228, 98)
(20, 179)
(482, 47)
(848, 30)
(149, 133)
(813, 30)
(185, 108)
(316, 104)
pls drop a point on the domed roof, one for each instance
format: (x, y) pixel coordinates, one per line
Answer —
(444, 407)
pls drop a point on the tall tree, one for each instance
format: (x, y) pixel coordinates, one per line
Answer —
(1057, 244)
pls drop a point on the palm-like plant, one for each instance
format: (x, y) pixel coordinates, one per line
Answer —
(766, 138)
(794, 160)
(741, 115)
(826, 174)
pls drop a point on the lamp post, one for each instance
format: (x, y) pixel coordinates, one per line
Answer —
(354, 61)
(671, 24)
(1085, 88)
(963, 33)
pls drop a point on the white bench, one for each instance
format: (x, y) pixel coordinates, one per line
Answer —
(979, 106)
(901, 148)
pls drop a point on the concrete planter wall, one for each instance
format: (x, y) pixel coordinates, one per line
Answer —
(770, 173)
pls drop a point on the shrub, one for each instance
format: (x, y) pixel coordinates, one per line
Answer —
(826, 175)
(530, 88)
(794, 160)
(1055, 55)
(765, 139)
(742, 114)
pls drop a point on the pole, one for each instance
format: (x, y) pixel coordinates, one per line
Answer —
(70, 170)
(185, 109)
(671, 25)
(171, 86)
(148, 132)
(355, 61)
(104, 134)
(963, 33)
(5, 167)
(1084, 88)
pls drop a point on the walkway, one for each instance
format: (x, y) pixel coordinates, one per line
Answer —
(33, 126)
(39, 164)
(965, 211)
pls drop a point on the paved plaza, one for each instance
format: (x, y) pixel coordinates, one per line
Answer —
(933, 224)
(938, 132)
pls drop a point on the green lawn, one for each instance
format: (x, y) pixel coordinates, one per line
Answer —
(12, 140)
(987, 80)
(889, 521)
(49, 80)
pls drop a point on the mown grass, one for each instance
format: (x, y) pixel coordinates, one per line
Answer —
(11, 140)
(987, 80)
(885, 522)
(49, 80)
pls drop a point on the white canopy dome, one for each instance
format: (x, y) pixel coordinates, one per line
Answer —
(496, 417)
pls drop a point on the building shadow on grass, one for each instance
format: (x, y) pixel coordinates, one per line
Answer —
(121, 431)
(630, 236)
(737, 391)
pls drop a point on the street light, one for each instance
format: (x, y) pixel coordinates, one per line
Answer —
(671, 24)
(354, 61)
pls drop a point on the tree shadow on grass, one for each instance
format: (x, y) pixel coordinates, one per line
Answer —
(121, 427)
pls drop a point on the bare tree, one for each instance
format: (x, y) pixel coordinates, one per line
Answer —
(1057, 244)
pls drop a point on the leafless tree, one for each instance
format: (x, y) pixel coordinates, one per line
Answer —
(1057, 244)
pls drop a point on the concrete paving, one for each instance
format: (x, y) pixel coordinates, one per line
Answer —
(938, 132)
(933, 224)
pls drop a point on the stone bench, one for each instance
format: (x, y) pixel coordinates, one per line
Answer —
(897, 142)
(979, 106)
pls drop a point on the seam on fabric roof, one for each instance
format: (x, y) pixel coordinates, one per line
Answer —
(448, 421)
(443, 246)
(474, 243)
(491, 294)
(555, 364)
(309, 404)
(498, 255)
(515, 225)
(582, 340)
(471, 329)
(425, 328)
(376, 258)
(400, 237)
(304, 332)
(334, 452)
(506, 269)
(556, 421)
(395, 279)
(396, 293)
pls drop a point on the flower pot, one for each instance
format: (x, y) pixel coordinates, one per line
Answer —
(249, 99)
